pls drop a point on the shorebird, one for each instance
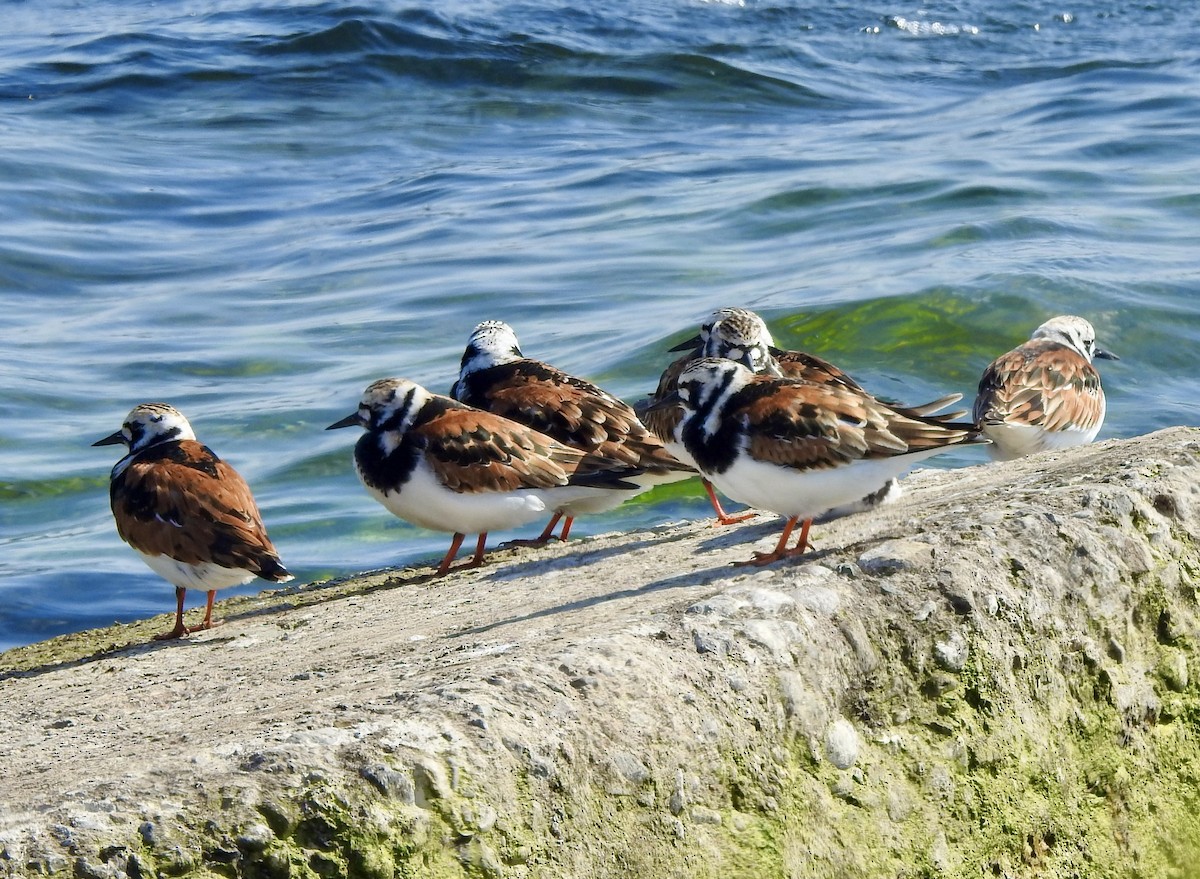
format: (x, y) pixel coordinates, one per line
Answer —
(497, 377)
(188, 514)
(797, 447)
(1044, 394)
(444, 465)
(740, 335)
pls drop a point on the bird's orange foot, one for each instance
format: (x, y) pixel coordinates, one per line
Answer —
(760, 559)
(767, 558)
(465, 566)
(545, 537)
(781, 551)
(177, 632)
(726, 519)
(181, 631)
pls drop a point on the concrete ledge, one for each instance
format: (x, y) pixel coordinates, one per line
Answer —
(995, 676)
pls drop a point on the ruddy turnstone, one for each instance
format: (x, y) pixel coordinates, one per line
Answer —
(797, 447)
(187, 513)
(444, 465)
(663, 418)
(740, 335)
(1045, 394)
(497, 377)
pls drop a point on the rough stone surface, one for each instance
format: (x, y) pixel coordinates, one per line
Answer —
(841, 743)
(994, 676)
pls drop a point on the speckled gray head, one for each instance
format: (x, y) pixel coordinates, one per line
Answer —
(491, 343)
(1074, 332)
(148, 424)
(741, 335)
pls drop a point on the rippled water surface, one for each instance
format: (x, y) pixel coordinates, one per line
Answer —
(252, 210)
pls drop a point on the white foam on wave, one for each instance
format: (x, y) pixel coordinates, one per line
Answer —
(930, 28)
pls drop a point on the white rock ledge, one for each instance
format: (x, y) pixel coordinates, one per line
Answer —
(993, 676)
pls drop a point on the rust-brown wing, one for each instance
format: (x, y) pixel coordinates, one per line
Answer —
(574, 412)
(799, 364)
(1080, 404)
(561, 406)
(475, 451)
(803, 425)
(1041, 383)
(811, 426)
(183, 502)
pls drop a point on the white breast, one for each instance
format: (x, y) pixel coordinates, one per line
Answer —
(679, 451)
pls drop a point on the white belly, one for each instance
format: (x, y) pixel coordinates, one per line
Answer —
(1011, 441)
(598, 501)
(425, 502)
(808, 493)
(205, 575)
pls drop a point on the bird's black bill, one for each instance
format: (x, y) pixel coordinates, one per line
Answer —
(1105, 355)
(349, 421)
(688, 344)
(111, 440)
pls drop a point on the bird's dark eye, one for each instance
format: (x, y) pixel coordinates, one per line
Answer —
(156, 418)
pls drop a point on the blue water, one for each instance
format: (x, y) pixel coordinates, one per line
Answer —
(251, 210)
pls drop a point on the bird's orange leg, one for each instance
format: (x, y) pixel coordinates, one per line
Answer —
(543, 538)
(477, 559)
(781, 551)
(452, 553)
(802, 543)
(208, 620)
(455, 543)
(566, 528)
(724, 518)
(180, 629)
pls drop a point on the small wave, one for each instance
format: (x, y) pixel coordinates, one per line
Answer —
(368, 35)
(516, 60)
(126, 73)
(921, 28)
